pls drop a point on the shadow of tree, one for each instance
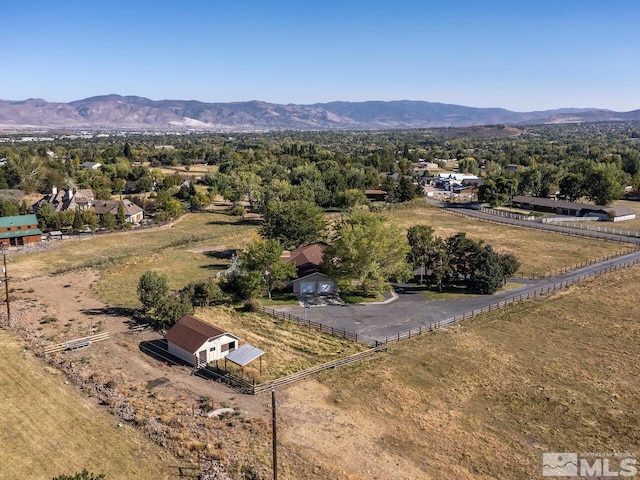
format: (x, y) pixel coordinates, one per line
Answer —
(111, 311)
(226, 254)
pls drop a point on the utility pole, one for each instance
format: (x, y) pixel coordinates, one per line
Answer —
(273, 433)
(6, 284)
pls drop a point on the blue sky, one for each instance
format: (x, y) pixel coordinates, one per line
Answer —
(521, 55)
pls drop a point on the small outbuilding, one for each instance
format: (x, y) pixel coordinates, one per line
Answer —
(198, 342)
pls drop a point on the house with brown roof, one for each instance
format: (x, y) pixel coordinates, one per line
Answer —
(376, 195)
(198, 342)
(308, 261)
(132, 213)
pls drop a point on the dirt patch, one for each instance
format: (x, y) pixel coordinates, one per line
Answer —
(167, 402)
(317, 429)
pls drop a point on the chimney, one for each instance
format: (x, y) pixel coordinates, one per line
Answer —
(54, 190)
(70, 193)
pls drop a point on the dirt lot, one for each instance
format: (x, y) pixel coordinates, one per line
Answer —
(71, 300)
(168, 403)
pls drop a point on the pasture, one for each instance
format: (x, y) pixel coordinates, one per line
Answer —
(484, 399)
(49, 428)
(538, 251)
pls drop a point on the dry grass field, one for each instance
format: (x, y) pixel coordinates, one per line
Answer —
(49, 428)
(288, 348)
(134, 245)
(478, 401)
(538, 251)
(482, 400)
(184, 170)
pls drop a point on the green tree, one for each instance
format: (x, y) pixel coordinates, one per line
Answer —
(152, 289)
(510, 265)
(293, 224)
(487, 276)
(90, 219)
(405, 190)
(172, 308)
(78, 224)
(469, 165)
(46, 216)
(421, 242)
(262, 268)
(439, 263)
(365, 253)
(118, 185)
(108, 221)
(205, 293)
(26, 173)
(8, 208)
(605, 183)
(462, 252)
(84, 475)
(120, 217)
(144, 184)
(351, 198)
(488, 193)
(126, 151)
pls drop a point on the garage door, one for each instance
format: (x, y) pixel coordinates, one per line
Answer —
(325, 287)
(308, 287)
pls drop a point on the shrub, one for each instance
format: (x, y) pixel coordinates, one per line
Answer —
(252, 305)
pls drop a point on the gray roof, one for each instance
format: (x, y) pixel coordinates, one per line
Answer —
(244, 355)
(554, 203)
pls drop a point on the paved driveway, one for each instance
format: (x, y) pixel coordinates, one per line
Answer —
(412, 310)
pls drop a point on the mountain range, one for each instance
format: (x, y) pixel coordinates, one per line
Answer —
(132, 112)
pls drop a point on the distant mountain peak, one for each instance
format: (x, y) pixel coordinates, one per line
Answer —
(115, 111)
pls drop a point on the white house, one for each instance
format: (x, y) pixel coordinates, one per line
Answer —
(450, 180)
(90, 165)
(198, 342)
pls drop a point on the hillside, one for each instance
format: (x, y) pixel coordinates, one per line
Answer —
(131, 112)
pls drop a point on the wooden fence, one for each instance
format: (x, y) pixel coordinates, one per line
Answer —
(76, 343)
(245, 386)
(340, 362)
(502, 213)
(338, 332)
(577, 266)
(508, 301)
(549, 228)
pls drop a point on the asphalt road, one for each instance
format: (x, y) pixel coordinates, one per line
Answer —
(412, 310)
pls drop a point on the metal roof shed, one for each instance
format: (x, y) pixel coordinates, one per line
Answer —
(245, 355)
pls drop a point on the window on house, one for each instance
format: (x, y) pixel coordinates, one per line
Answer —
(212, 349)
(229, 347)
